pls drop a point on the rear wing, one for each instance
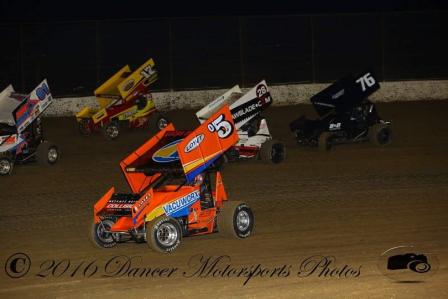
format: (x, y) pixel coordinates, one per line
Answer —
(180, 153)
(244, 108)
(228, 98)
(207, 143)
(125, 85)
(7, 105)
(346, 93)
(108, 92)
(32, 106)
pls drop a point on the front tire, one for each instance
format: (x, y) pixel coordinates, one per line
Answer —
(380, 134)
(157, 122)
(100, 236)
(47, 153)
(6, 166)
(163, 234)
(236, 220)
(272, 151)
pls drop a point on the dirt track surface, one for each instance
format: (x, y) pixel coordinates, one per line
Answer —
(352, 203)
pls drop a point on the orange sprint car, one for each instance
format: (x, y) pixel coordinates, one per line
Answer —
(177, 190)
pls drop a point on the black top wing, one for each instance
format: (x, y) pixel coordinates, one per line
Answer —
(345, 93)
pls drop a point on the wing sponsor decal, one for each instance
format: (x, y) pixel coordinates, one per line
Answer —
(32, 106)
(247, 110)
(167, 153)
(8, 139)
(194, 143)
(176, 207)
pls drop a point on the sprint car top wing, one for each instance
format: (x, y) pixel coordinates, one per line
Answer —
(7, 105)
(32, 106)
(229, 97)
(207, 143)
(345, 93)
(183, 153)
(243, 108)
(126, 85)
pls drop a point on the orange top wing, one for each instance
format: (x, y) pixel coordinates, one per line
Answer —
(207, 143)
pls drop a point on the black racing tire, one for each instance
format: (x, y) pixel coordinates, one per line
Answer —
(380, 134)
(163, 234)
(272, 151)
(158, 122)
(419, 266)
(99, 237)
(236, 219)
(324, 142)
(6, 166)
(47, 153)
(111, 130)
(84, 127)
(141, 103)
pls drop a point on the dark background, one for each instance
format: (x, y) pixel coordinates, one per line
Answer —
(207, 50)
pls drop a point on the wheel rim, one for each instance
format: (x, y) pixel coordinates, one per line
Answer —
(52, 155)
(102, 232)
(242, 220)
(112, 131)
(162, 123)
(167, 234)
(5, 166)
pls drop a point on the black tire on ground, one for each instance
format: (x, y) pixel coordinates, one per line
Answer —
(272, 151)
(380, 134)
(163, 234)
(100, 237)
(235, 219)
(6, 166)
(111, 130)
(324, 141)
(157, 122)
(84, 127)
(47, 153)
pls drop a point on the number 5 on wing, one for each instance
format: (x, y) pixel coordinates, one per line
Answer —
(222, 126)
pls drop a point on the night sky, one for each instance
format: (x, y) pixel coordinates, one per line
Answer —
(38, 10)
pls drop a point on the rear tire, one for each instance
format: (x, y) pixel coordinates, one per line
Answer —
(111, 130)
(6, 166)
(272, 151)
(84, 127)
(380, 134)
(324, 142)
(99, 237)
(236, 220)
(163, 234)
(47, 153)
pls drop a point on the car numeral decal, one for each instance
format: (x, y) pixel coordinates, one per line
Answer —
(367, 79)
(222, 126)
